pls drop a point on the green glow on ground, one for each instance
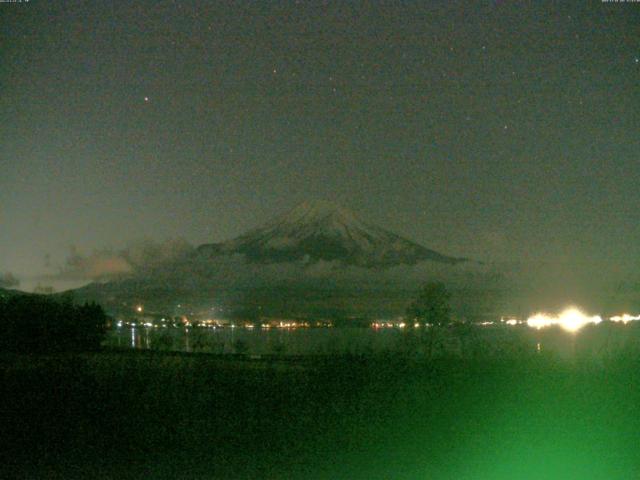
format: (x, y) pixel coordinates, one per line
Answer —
(178, 416)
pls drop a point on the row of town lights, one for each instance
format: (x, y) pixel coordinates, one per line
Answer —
(571, 319)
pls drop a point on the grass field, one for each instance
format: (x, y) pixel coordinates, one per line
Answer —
(165, 415)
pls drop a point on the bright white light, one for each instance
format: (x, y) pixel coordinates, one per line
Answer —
(509, 320)
(571, 320)
(540, 320)
(624, 318)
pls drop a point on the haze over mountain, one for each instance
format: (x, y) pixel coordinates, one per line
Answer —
(324, 231)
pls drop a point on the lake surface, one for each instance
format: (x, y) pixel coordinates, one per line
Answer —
(592, 340)
(300, 341)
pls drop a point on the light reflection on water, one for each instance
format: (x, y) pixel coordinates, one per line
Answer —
(596, 340)
(255, 341)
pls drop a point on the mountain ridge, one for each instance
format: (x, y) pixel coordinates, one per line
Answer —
(324, 231)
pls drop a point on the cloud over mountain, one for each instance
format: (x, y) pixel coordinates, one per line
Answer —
(109, 264)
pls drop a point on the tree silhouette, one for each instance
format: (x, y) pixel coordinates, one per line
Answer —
(432, 305)
(38, 323)
(431, 308)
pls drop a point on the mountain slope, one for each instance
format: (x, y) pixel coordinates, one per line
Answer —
(315, 231)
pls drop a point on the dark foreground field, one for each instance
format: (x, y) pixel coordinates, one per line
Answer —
(170, 416)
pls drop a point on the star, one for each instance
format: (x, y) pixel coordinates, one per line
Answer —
(146, 99)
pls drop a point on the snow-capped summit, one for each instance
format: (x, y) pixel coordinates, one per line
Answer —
(322, 230)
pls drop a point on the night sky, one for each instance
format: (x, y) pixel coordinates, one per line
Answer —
(497, 130)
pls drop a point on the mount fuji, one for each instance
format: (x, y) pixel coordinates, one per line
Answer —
(324, 231)
(316, 259)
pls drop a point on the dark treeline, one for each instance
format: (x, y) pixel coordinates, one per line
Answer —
(37, 323)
